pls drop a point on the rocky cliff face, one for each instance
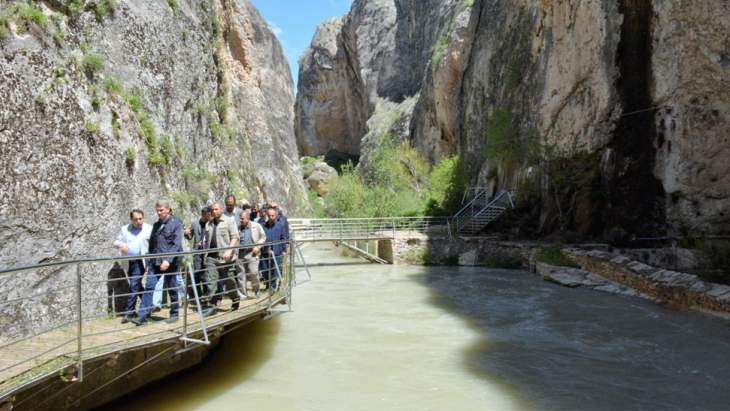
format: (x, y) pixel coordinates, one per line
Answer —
(617, 109)
(105, 109)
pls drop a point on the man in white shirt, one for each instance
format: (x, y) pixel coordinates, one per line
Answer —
(134, 240)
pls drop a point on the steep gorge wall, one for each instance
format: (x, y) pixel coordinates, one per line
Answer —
(104, 112)
(625, 98)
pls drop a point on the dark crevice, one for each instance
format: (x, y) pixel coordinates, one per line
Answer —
(635, 201)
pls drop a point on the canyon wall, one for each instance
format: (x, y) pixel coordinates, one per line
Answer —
(606, 116)
(105, 109)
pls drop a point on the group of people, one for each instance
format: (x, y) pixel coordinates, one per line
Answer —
(243, 242)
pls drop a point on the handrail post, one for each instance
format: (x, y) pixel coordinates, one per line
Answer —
(292, 247)
(79, 326)
(185, 301)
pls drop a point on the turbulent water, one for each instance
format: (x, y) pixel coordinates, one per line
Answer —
(364, 337)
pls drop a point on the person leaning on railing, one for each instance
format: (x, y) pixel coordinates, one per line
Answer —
(252, 234)
(220, 233)
(133, 240)
(167, 235)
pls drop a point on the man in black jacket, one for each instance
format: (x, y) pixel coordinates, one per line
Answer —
(167, 235)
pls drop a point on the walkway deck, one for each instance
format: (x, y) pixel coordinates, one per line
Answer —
(103, 336)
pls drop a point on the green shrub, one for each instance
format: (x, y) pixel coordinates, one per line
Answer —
(173, 4)
(92, 128)
(58, 37)
(112, 85)
(148, 131)
(554, 255)
(134, 102)
(439, 50)
(92, 64)
(156, 159)
(30, 13)
(318, 210)
(130, 156)
(447, 183)
(166, 149)
(74, 7)
(4, 31)
(95, 100)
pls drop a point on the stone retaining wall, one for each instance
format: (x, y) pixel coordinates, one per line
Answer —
(680, 290)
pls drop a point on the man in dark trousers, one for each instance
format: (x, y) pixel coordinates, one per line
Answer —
(196, 233)
(275, 232)
(167, 235)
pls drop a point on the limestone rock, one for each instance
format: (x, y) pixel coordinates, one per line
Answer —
(159, 115)
(321, 178)
(468, 258)
(563, 74)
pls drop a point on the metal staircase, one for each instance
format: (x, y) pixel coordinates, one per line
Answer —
(481, 211)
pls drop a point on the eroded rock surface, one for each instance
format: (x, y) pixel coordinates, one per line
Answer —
(629, 97)
(189, 103)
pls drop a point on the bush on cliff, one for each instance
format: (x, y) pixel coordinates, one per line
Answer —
(399, 183)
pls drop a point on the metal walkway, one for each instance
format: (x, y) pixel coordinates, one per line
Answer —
(55, 332)
(481, 211)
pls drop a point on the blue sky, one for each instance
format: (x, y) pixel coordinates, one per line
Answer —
(294, 22)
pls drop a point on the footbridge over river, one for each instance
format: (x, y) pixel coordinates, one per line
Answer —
(63, 344)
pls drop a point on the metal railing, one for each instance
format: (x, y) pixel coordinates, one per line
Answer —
(58, 315)
(349, 229)
(481, 211)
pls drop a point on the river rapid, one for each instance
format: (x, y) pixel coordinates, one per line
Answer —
(365, 337)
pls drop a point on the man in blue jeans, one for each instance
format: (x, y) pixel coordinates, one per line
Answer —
(275, 232)
(166, 237)
(133, 240)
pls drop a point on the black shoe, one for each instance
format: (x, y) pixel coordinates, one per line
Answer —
(207, 312)
(139, 321)
(235, 305)
(157, 309)
(173, 319)
(127, 318)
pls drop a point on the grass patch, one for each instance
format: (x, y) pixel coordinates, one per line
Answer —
(173, 4)
(130, 156)
(554, 255)
(92, 64)
(92, 128)
(112, 85)
(74, 8)
(28, 14)
(104, 8)
(318, 210)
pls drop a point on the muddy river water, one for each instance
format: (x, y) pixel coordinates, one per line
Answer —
(373, 337)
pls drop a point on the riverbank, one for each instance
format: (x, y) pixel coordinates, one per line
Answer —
(595, 266)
